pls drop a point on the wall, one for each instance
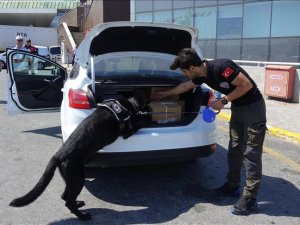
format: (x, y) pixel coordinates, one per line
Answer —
(95, 15)
(106, 11)
(117, 10)
(70, 18)
(258, 75)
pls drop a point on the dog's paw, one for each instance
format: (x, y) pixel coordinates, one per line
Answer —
(80, 204)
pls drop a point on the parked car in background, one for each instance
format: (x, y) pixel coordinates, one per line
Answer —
(55, 54)
(124, 59)
(43, 51)
(3, 59)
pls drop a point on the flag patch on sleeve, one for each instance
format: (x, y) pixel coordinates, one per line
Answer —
(227, 72)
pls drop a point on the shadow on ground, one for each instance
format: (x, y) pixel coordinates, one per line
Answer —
(49, 131)
(160, 193)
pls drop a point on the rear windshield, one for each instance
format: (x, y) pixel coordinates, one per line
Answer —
(139, 65)
(55, 50)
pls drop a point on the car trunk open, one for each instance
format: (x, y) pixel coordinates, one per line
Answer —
(189, 102)
(139, 38)
(144, 40)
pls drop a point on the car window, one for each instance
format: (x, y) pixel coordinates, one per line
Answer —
(138, 65)
(24, 64)
(55, 50)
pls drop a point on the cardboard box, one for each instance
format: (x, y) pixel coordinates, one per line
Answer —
(166, 111)
(169, 98)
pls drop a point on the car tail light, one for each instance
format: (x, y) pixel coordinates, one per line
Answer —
(211, 97)
(78, 99)
(213, 147)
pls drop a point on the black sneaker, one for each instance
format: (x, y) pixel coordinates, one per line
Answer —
(227, 191)
(244, 206)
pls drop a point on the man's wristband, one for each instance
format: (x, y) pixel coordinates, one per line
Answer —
(224, 101)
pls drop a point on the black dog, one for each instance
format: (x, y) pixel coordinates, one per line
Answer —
(101, 128)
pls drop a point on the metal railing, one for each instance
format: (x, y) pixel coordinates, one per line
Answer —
(264, 63)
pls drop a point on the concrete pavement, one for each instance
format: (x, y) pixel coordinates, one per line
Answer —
(283, 118)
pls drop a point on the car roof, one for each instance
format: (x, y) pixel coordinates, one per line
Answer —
(39, 46)
(113, 30)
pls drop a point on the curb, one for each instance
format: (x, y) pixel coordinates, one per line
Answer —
(278, 132)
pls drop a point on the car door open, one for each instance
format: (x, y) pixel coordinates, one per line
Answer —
(34, 82)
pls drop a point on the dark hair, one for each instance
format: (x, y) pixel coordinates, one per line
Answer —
(186, 57)
(28, 40)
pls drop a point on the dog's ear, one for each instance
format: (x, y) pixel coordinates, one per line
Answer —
(135, 104)
(130, 104)
(128, 130)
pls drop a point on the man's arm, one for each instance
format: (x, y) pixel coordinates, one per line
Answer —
(179, 89)
(243, 85)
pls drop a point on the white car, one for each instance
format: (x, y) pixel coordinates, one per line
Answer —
(55, 54)
(127, 59)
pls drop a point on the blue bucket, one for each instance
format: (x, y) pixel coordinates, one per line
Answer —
(209, 115)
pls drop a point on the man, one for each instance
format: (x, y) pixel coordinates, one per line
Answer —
(20, 60)
(19, 44)
(247, 123)
(31, 48)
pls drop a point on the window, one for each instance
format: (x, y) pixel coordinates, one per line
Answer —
(165, 4)
(208, 48)
(205, 2)
(143, 17)
(143, 5)
(230, 49)
(183, 17)
(226, 2)
(179, 4)
(255, 49)
(163, 16)
(285, 19)
(258, 25)
(206, 22)
(289, 53)
(230, 21)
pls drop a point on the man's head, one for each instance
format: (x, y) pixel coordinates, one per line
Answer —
(187, 61)
(19, 40)
(28, 42)
(186, 57)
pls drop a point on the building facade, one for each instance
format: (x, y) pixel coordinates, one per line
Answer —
(36, 13)
(255, 30)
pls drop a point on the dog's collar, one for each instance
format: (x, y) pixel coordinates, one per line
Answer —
(120, 112)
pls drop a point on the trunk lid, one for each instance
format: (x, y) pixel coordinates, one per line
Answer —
(135, 36)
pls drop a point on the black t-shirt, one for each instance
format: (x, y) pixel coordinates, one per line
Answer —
(220, 74)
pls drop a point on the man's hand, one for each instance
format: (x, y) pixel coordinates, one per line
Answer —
(217, 105)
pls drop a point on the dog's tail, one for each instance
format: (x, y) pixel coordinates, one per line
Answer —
(39, 187)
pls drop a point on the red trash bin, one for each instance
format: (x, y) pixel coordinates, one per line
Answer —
(279, 81)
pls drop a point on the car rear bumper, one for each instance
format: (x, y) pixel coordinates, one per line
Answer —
(109, 159)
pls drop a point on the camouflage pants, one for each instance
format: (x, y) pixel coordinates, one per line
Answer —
(247, 134)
